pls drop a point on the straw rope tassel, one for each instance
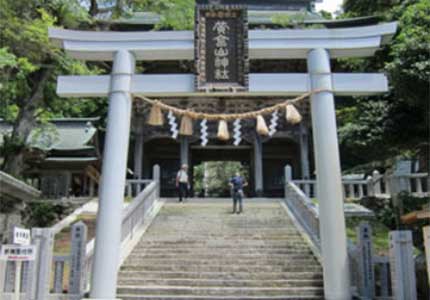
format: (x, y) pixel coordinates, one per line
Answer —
(223, 133)
(186, 125)
(292, 114)
(261, 126)
(156, 116)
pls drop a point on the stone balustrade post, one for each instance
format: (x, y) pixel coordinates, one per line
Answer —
(376, 183)
(365, 261)
(402, 266)
(38, 286)
(156, 174)
(78, 238)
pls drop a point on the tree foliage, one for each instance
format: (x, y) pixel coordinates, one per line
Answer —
(29, 66)
(397, 123)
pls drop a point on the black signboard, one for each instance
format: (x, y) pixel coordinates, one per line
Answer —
(264, 4)
(221, 40)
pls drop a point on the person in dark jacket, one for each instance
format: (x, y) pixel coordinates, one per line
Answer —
(237, 183)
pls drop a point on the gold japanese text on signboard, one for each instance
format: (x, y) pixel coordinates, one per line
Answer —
(221, 48)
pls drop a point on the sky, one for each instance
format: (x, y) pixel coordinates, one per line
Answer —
(329, 5)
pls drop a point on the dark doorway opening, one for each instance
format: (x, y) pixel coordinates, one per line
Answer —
(220, 162)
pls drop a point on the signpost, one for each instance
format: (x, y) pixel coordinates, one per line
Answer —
(19, 251)
(221, 48)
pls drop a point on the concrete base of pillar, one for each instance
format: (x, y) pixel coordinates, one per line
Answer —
(259, 193)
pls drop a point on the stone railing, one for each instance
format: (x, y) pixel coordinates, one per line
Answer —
(304, 210)
(372, 276)
(377, 185)
(134, 186)
(43, 279)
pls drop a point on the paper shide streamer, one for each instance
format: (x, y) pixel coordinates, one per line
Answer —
(173, 125)
(204, 132)
(237, 135)
(273, 123)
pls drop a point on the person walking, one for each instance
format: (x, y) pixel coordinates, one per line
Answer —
(237, 183)
(182, 182)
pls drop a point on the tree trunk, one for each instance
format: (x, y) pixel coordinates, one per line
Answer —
(94, 9)
(14, 161)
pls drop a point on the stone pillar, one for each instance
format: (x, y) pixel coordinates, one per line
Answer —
(329, 183)
(138, 152)
(111, 193)
(304, 151)
(185, 157)
(157, 177)
(2, 275)
(402, 266)
(365, 258)
(78, 237)
(258, 165)
(40, 270)
(426, 233)
(138, 157)
(92, 187)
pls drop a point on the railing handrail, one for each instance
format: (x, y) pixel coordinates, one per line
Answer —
(139, 199)
(376, 185)
(306, 200)
(302, 216)
(128, 210)
(139, 180)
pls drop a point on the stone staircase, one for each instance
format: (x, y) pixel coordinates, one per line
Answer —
(199, 250)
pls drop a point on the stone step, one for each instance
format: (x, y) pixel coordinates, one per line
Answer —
(312, 267)
(179, 261)
(239, 237)
(199, 251)
(219, 291)
(305, 275)
(223, 245)
(216, 255)
(215, 251)
(226, 282)
(179, 297)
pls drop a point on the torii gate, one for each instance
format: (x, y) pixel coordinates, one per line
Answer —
(317, 46)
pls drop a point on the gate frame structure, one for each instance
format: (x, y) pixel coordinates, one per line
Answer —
(317, 46)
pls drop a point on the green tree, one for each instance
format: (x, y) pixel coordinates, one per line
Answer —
(29, 65)
(396, 123)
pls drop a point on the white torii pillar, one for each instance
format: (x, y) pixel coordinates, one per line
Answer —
(329, 181)
(111, 193)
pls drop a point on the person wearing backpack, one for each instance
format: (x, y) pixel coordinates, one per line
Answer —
(237, 183)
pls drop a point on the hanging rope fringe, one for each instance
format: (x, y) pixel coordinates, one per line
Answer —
(186, 125)
(262, 126)
(223, 133)
(155, 116)
(291, 112)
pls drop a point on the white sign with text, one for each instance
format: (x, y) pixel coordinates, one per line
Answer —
(17, 252)
(21, 236)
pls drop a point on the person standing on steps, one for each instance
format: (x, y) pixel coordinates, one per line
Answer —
(237, 183)
(182, 182)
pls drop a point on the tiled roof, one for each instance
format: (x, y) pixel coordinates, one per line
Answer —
(58, 134)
